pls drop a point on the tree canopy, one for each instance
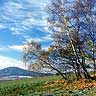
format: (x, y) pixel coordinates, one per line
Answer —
(73, 26)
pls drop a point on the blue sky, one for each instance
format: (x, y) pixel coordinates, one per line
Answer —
(21, 21)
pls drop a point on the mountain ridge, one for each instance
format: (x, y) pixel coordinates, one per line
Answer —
(16, 71)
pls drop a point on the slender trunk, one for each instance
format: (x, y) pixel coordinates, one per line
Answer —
(86, 74)
(52, 67)
(56, 70)
(78, 71)
(83, 65)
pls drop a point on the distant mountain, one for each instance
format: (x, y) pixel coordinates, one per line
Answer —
(15, 71)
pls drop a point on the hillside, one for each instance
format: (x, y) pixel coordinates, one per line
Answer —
(48, 86)
(15, 71)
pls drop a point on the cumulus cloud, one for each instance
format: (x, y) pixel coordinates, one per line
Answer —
(10, 62)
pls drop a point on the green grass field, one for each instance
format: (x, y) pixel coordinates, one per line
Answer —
(47, 86)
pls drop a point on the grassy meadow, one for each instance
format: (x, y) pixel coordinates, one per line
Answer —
(48, 86)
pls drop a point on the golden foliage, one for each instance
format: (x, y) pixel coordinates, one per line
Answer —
(62, 84)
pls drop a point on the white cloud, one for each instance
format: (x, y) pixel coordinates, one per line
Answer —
(24, 15)
(45, 47)
(46, 29)
(2, 26)
(11, 7)
(10, 62)
(47, 37)
(15, 31)
(33, 39)
(1, 49)
(20, 17)
(29, 38)
(34, 22)
(4, 48)
(16, 47)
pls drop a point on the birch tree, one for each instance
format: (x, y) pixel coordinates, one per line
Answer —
(73, 23)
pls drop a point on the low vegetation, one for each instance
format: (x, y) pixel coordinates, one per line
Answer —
(48, 86)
